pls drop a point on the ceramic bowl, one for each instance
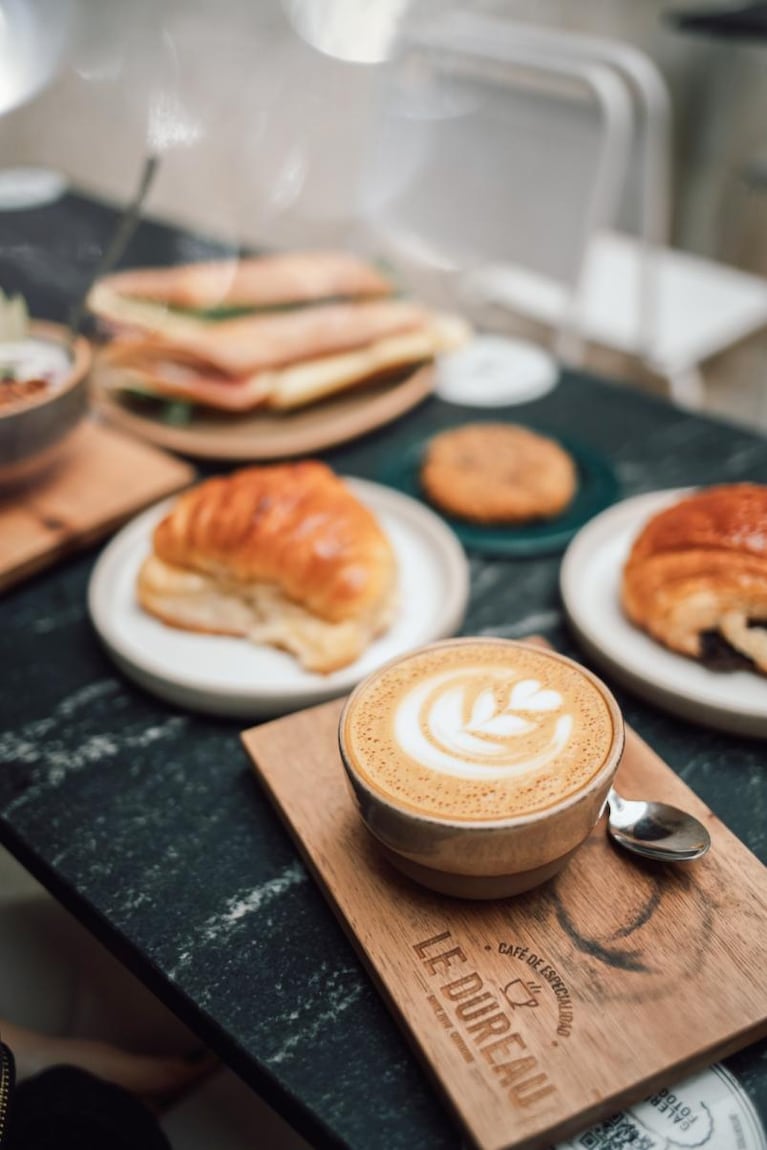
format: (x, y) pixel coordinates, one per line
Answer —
(35, 432)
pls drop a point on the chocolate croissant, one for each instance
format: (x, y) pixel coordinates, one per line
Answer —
(283, 554)
(696, 577)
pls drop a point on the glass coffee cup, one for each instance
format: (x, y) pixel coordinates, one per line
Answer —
(481, 765)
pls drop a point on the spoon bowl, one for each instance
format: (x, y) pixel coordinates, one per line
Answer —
(656, 830)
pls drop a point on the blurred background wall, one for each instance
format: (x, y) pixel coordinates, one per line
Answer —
(266, 134)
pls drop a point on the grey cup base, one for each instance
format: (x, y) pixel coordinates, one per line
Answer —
(480, 887)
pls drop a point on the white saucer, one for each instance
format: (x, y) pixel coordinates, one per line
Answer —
(590, 582)
(495, 371)
(226, 676)
(25, 188)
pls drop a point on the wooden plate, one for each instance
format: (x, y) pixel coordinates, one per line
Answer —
(100, 479)
(271, 435)
(542, 1014)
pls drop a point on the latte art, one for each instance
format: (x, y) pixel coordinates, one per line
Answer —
(477, 725)
(478, 730)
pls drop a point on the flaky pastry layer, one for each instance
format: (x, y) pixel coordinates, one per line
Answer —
(259, 612)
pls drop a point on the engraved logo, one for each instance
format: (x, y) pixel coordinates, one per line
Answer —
(480, 725)
(519, 993)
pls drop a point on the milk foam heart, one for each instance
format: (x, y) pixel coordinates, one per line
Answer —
(478, 730)
(480, 724)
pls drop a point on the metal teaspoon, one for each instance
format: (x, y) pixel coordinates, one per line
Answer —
(656, 830)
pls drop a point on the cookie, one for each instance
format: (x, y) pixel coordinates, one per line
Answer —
(498, 473)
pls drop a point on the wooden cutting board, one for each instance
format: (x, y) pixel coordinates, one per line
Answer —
(542, 1014)
(104, 478)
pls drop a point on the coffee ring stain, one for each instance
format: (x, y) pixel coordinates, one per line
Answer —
(628, 960)
(619, 959)
(602, 949)
(644, 915)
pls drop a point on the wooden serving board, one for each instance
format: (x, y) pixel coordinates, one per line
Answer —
(263, 435)
(104, 478)
(541, 1014)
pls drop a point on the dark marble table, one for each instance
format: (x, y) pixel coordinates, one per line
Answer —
(149, 825)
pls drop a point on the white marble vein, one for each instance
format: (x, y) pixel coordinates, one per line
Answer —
(61, 618)
(527, 625)
(40, 744)
(336, 1000)
(246, 903)
(84, 696)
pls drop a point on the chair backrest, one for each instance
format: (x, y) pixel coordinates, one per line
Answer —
(488, 151)
(647, 196)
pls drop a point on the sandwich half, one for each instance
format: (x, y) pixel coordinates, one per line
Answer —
(279, 331)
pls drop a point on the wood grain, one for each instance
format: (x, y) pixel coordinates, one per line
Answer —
(541, 1014)
(104, 478)
(263, 435)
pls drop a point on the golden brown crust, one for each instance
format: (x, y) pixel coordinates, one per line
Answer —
(260, 612)
(498, 473)
(732, 517)
(263, 281)
(293, 525)
(700, 566)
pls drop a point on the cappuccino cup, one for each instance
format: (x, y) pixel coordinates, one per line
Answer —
(480, 765)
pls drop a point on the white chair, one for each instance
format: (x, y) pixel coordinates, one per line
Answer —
(700, 308)
(451, 182)
(638, 296)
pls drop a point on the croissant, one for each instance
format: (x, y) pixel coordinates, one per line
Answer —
(696, 577)
(285, 555)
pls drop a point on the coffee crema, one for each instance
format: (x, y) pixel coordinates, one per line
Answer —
(478, 730)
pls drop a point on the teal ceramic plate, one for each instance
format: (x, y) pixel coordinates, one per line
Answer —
(597, 489)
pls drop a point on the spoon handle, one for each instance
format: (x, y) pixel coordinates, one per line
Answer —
(119, 242)
(617, 803)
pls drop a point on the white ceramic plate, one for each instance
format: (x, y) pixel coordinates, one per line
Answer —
(235, 677)
(590, 582)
